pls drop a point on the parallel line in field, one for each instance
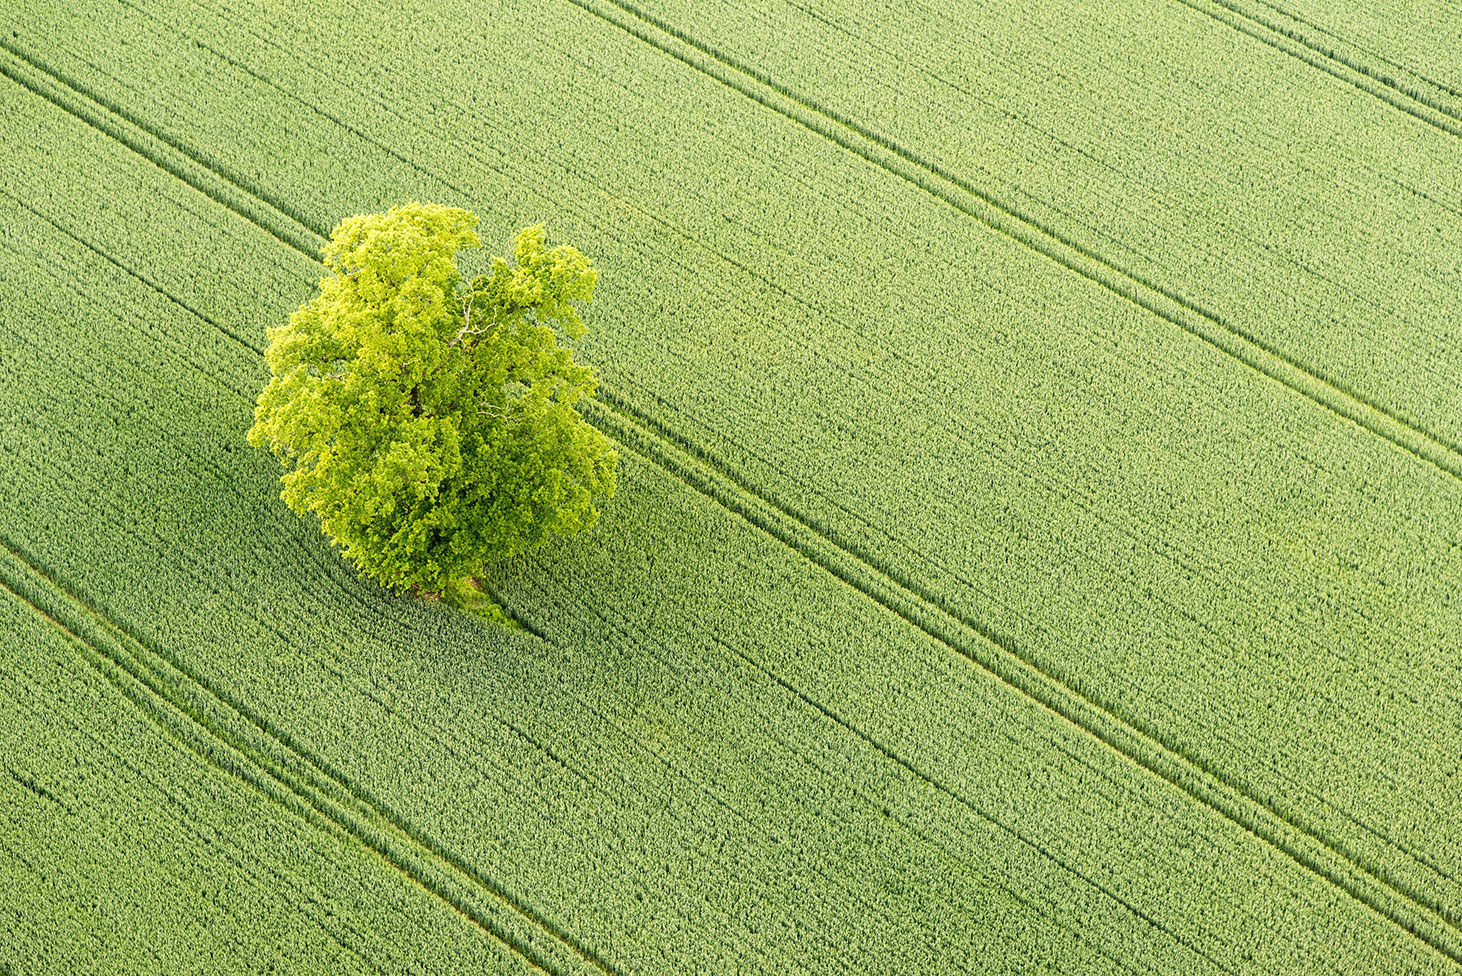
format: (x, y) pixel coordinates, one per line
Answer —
(533, 628)
(66, 278)
(998, 655)
(132, 273)
(239, 741)
(194, 169)
(615, 622)
(522, 622)
(1294, 41)
(39, 789)
(866, 912)
(220, 755)
(1445, 88)
(254, 869)
(527, 785)
(1306, 846)
(232, 62)
(330, 568)
(1270, 362)
(928, 779)
(1010, 221)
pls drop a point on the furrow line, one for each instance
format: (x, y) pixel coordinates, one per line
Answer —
(921, 592)
(1286, 32)
(132, 273)
(1012, 222)
(1444, 89)
(232, 62)
(173, 723)
(1441, 86)
(614, 623)
(239, 741)
(994, 652)
(1009, 221)
(246, 866)
(892, 755)
(998, 655)
(123, 126)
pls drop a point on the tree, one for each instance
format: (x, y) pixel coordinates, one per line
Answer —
(428, 422)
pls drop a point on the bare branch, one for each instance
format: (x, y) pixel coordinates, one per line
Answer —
(467, 328)
(488, 410)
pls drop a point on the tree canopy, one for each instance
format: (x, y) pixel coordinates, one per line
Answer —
(430, 422)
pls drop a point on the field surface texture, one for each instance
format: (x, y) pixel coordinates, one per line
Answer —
(1038, 545)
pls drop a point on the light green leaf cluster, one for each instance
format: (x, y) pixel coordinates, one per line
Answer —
(431, 424)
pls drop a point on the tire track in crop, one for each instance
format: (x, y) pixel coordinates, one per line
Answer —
(247, 867)
(1287, 33)
(1323, 390)
(1137, 912)
(138, 277)
(318, 812)
(1011, 222)
(1449, 450)
(616, 623)
(234, 63)
(1446, 89)
(1415, 912)
(516, 618)
(997, 654)
(329, 568)
(933, 782)
(341, 935)
(194, 169)
(527, 786)
(333, 570)
(1329, 392)
(239, 741)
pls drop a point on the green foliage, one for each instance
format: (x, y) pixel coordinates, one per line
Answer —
(430, 424)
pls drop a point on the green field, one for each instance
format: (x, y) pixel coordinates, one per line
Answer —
(1038, 544)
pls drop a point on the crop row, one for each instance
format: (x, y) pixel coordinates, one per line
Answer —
(228, 601)
(854, 431)
(1152, 549)
(1304, 213)
(632, 738)
(207, 578)
(1417, 49)
(1073, 810)
(201, 577)
(124, 851)
(1370, 71)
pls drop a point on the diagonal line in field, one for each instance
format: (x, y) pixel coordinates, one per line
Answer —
(200, 173)
(238, 741)
(998, 655)
(132, 273)
(935, 783)
(341, 932)
(615, 622)
(1011, 222)
(1445, 89)
(1415, 912)
(1293, 41)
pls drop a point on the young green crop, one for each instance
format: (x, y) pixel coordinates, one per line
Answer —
(431, 427)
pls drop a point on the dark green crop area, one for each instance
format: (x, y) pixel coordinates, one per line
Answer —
(1038, 545)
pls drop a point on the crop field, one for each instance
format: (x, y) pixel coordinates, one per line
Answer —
(1038, 543)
